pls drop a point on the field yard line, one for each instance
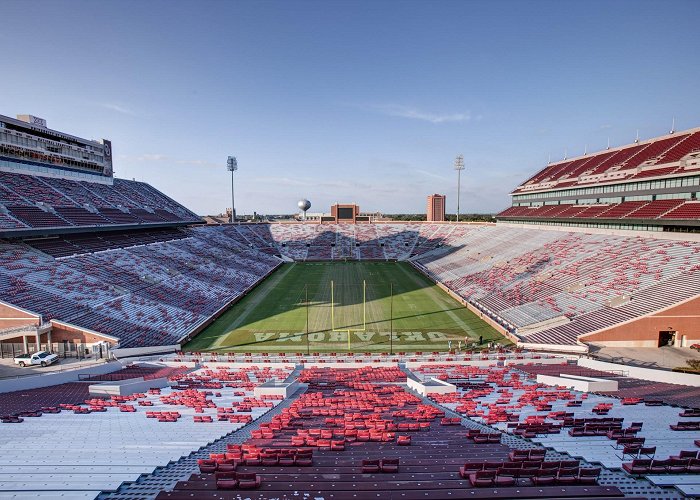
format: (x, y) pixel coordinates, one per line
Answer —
(255, 301)
(439, 303)
(319, 317)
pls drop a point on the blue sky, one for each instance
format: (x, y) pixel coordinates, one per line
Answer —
(349, 101)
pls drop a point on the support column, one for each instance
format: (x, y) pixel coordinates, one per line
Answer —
(38, 341)
(26, 343)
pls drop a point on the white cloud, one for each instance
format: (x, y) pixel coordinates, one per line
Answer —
(417, 114)
(198, 163)
(157, 157)
(118, 108)
(430, 174)
(283, 181)
(151, 157)
(144, 157)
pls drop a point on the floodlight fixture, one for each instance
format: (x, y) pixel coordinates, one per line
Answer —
(459, 166)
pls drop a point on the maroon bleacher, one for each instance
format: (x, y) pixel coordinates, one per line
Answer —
(689, 210)
(44, 202)
(661, 209)
(80, 216)
(145, 215)
(653, 150)
(86, 243)
(690, 145)
(658, 165)
(168, 216)
(653, 209)
(621, 209)
(592, 211)
(31, 400)
(9, 222)
(36, 217)
(616, 159)
(56, 246)
(34, 189)
(654, 172)
(117, 216)
(136, 371)
(79, 192)
(659, 151)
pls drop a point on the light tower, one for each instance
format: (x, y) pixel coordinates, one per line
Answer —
(232, 166)
(459, 166)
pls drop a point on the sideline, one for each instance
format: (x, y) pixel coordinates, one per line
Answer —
(440, 303)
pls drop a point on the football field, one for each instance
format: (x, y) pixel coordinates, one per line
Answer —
(344, 306)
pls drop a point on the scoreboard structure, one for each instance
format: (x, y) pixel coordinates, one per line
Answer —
(348, 213)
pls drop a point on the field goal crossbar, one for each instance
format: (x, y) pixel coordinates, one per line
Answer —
(364, 312)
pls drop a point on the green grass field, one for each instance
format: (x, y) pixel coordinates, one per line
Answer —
(365, 300)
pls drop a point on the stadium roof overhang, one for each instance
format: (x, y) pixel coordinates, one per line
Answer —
(55, 231)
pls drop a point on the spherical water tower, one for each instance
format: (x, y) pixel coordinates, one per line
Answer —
(304, 205)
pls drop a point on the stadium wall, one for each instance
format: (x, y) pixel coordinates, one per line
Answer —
(12, 317)
(63, 331)
(131, 352)
(684, 319)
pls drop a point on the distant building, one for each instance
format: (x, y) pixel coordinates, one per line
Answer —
(436, 208)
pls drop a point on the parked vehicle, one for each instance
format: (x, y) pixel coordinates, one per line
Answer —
(38, 358)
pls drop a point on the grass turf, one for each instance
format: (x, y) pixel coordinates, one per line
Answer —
(273, 317)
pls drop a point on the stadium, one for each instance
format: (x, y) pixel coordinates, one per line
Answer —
(286, 352)
(541, 341)
(606, 254)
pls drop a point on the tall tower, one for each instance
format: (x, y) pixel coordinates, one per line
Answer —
(436, 208)
(232, 166)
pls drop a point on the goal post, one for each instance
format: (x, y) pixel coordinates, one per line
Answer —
(364, 313)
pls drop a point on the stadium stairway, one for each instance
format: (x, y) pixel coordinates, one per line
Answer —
(634, 487)
(148, 486)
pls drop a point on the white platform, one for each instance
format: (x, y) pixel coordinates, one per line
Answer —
(579, 383)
